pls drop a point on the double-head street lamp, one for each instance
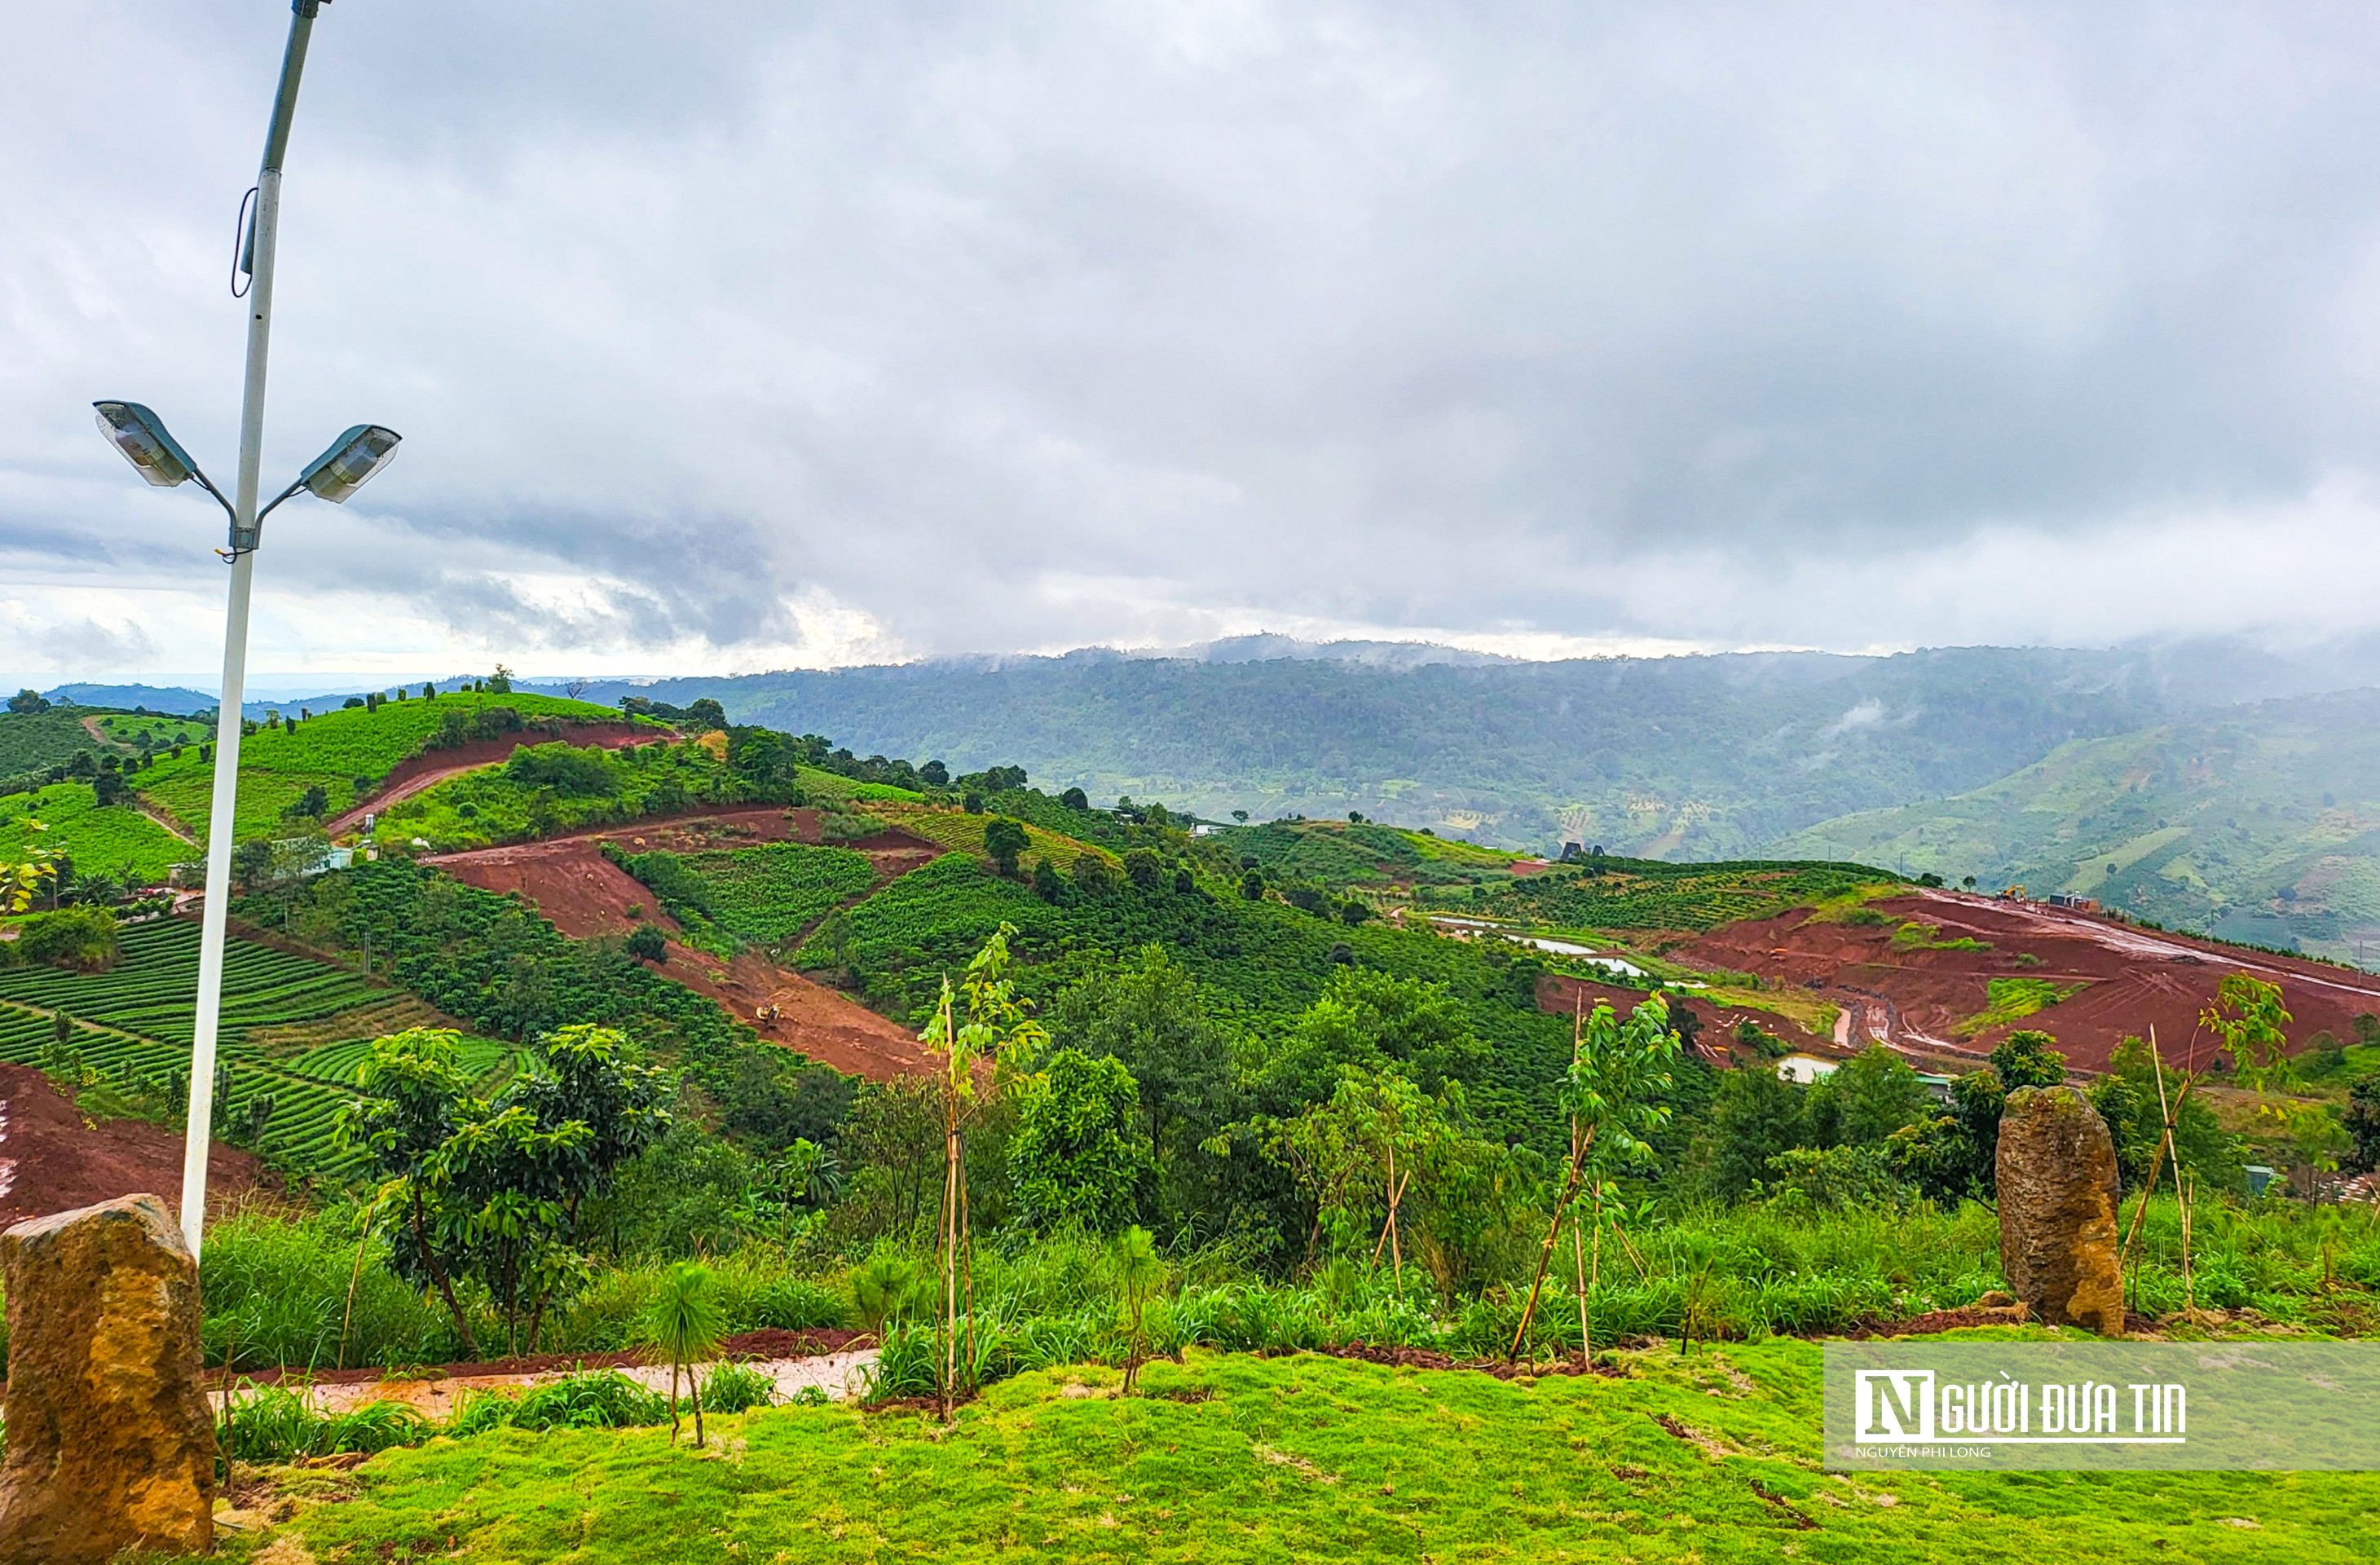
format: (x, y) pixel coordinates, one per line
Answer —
(352, 459)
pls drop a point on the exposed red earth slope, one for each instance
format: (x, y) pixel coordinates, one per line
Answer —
(1917, 999)
(586, 895)
(49, 1161)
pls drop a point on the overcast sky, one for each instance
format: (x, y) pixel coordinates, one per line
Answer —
(737, 335)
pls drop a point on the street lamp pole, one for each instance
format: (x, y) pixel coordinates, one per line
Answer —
(245, 531)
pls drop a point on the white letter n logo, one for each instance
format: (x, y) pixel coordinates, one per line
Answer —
(1894, 1405)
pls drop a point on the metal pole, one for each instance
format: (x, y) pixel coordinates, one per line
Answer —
(221, 815)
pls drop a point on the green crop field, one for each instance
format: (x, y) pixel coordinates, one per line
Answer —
(304, 1115)
(1702, 1458)
(765, 894)
(1340, 853)
(137, 1024)
(825, 786)
(160, 732)
(331, 750)
(152, 990)
(32, 741)
(117, 840)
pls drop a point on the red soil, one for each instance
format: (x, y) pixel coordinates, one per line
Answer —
(2135, 979)
(52, 1160)
(587, 895)
(432, 767)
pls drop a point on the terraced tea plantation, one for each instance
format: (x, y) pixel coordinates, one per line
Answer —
(153, 989)
(134, 1023)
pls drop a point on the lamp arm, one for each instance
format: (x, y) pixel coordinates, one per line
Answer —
(208, 485)
(274, 501)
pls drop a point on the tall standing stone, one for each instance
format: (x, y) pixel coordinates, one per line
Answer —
(2058, 1189)
(110, 1446)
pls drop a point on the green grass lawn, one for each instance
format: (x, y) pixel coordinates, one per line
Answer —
(1232, 1457)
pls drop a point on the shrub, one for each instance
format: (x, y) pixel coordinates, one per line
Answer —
(82, 938)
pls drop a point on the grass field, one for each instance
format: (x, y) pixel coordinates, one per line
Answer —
(108, 841)
(1235, 1457)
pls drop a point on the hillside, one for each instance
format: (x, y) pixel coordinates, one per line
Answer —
(348, 752)
(2260, 823)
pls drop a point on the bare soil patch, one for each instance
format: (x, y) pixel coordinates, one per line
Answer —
(1916, 999)
(52, 1160)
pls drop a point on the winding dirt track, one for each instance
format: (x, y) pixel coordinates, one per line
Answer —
(587, 895)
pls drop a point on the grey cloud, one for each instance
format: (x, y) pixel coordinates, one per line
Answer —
(1033, 325)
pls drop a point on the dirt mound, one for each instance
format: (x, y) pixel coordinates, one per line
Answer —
(1927, 997)
(587, 895)
(51, 1160)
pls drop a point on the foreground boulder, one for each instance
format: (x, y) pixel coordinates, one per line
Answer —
(110, 1447)
(2058, 1209)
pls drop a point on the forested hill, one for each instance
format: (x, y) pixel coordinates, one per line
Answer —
(1700, 757)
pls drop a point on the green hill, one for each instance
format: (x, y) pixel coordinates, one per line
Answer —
(337, 750)
(116, 841)
(2261, 823)
(32, 742)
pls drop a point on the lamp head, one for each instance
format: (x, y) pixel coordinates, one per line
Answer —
(142, 436)
(350, 464)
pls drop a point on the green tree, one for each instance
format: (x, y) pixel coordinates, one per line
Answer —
(1755, 1115)
(1146, 1014)
(1079, 1155)
(1048, 884)
(2029, 1059)
(26, 702)
(1865, 1099)
(2248, 1017)
(2362, 1122)
(646, 943)
(1615, 1093)
(1145, 869)
(989, 1045)
(1005, 838)
(685, 1321)
(1370, 1020)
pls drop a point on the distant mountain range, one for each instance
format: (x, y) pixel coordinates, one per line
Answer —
(2234, 789)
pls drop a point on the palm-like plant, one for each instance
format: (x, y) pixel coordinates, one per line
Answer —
(1140, 1273)
(685, 1321)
